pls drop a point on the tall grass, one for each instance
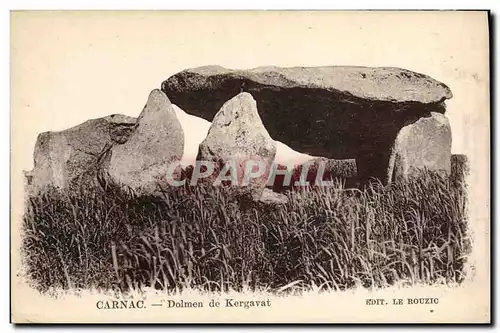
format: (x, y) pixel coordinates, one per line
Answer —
(331, 238)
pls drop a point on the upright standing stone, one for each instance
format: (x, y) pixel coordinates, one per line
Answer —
(236, 137)
(142, 162)
(422, 145)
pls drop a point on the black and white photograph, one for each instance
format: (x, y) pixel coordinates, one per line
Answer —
(250, 166)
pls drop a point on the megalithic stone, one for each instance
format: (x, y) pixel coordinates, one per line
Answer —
(142, 162)
(336, 112)
(236, 139)
(71, 156)
(422, 145)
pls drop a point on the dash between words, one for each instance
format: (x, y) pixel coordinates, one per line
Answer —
(214, 303)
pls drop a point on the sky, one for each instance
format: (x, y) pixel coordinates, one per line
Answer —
(68, 67)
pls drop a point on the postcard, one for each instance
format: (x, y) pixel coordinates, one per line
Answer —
(250, 167)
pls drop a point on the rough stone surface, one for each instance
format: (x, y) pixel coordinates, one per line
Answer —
(460, 167)
(71, 156)
(237, 136)
(272, 198)
(157, 140)
(378, 84)
(424, 144)
(333, 112)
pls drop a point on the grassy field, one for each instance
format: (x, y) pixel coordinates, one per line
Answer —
(334, 238)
